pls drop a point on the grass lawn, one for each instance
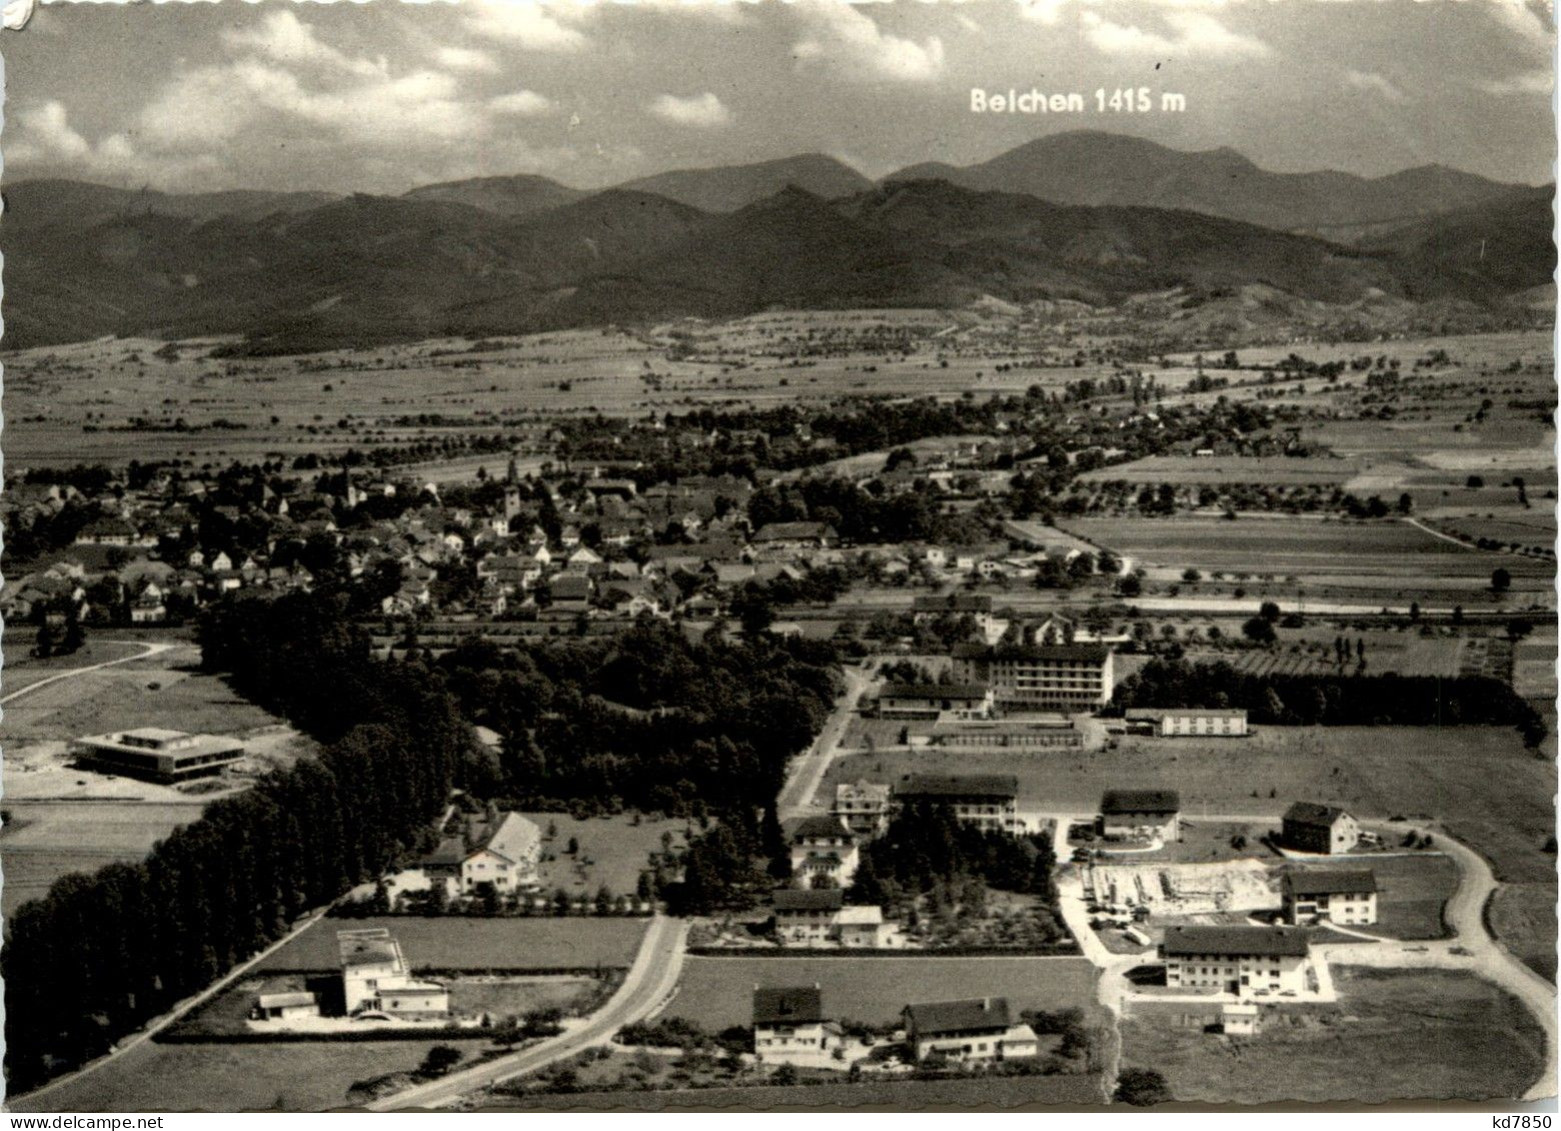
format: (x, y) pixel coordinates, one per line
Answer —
(1523, 916)
(718, 992)
(1411, 892)
(617, 848)
(1394, 1036)
(23, 669)
(240, 1077)
(459, 943)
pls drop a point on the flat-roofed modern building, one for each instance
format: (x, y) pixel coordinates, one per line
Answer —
(1039, 677)
(1192, 722)
(155, 754)
(1050, 732)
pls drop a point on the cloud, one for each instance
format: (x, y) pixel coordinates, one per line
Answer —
(1375, 84)
(1192, 33)
(48, 130)
(1527, 21)
(522, 104)
(703, 111)
(466, 59)
(283, 38)
(526, 23)
(847, 41)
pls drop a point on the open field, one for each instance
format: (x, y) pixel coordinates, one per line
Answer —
(1411, 892)
(1384, 556)
(459, 943)
(327, 402)
(617, 848)
(1426, 1035)
(1215, 470)
(311, 1076)
(47, 840)
(1477, 782)
(718, 992)
(23, 669)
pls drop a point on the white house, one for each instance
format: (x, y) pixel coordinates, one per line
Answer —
(823, 848)
(375, 979)
(1347, 896)
(789, 1027)
(979, 1029)
(1323, 829)
(506, 857)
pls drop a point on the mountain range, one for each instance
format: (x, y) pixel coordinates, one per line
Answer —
(298, 271)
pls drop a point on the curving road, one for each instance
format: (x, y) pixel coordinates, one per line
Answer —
(648, 984)
(151, 650)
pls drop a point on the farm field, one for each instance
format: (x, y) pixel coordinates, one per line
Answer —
(1311, 550)
(23, 669)
(1478, 783)
(461, 943)
(617, 848)
(45, 840)
(1214, 470)
(718, 992)
(251, 408)
(1429, 1035)
(1049, 1093)
(312, 1076)
(1309, 651)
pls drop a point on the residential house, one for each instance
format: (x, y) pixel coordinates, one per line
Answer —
(795, 536)
(823, 849)
(1324, 829)
(1236, 960)
(978, 1029)
(571, 592)
(977, 606)
(806, 916)
(376, 979)
(1347, 896)
(506, 856)
(863, 807)
(862, 928)
(789, 1027)
(1148, 814)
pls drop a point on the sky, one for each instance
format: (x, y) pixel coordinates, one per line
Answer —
(383, 96)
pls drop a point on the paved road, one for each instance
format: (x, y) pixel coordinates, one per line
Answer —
(807, 771)
(648, 984)
(151, 650)
(1473, 949)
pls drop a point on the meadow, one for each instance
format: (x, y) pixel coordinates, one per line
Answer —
(612, 851)
(460, 943)
(718, 992)
(1427, 1035)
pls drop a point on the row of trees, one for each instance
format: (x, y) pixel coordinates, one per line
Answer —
(101, 954)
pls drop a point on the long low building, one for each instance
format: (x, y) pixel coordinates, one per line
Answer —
(988, 801)
(1051, 732)
(155, 754)
(1191, 722)
(929, 700)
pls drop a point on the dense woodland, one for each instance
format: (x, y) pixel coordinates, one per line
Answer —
(1334, 700)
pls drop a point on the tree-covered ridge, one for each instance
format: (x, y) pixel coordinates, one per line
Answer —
(649, 719)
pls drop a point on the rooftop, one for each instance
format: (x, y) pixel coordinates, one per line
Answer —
(1330, 881)
(1266, 941)
(809, 899)
(515, 838)
(787, 1005)
(370, 946)
(1005, 786)
(811, 827)
(934, 691)
(1042, 653)
(1140, 801)
(1312, 813)
(929, 1018)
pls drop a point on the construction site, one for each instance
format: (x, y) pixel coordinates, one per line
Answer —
(1163, 890)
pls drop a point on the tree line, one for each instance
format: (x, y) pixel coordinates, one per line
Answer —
(1334, 700)
(101, 954)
